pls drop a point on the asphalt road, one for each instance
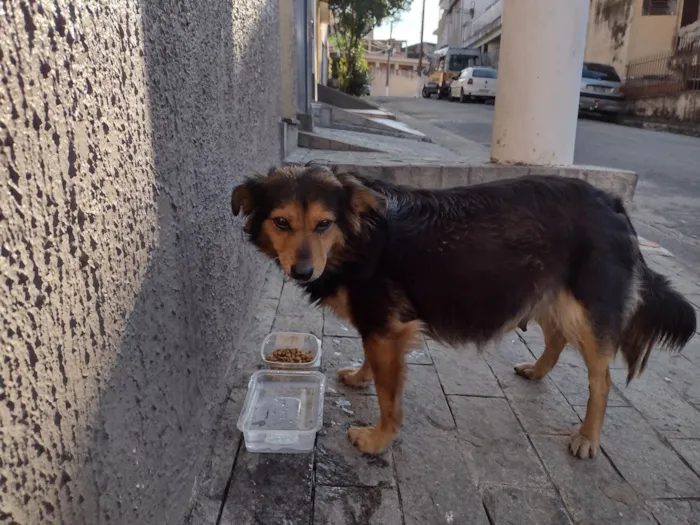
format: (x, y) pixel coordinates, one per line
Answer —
(667, 201)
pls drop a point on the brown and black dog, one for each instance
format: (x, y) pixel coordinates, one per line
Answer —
(465, 265)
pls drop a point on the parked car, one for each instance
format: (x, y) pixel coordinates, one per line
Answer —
(602, 91)
(445, 64)
(475, 83)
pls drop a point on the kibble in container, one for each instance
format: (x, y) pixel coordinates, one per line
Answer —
(291, 351)
(283, 411)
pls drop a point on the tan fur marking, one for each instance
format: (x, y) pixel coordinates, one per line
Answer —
(385, 354)
(566, 315)
(339, 303)
(554, 343)
(285, 245)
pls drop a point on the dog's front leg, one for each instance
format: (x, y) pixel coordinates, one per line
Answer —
(385, 356)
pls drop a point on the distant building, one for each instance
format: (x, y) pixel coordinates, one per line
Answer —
(619, 31)
(413, 51)
(642, 29)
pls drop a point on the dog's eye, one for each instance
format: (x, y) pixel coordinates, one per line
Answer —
(323, 225)
(282, 223)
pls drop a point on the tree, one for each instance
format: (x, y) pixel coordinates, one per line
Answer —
(352, 20)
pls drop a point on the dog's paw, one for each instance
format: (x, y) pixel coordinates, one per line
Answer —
(582, 446)
(527, 370)
(369, 440)
(354, 377)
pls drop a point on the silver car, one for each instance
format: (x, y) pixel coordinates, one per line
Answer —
(602, 91)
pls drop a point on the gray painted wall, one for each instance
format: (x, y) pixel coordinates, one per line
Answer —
(125, 280)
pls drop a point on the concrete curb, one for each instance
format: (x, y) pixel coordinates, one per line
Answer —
(618, 182)
(316, 141)
(327, 116)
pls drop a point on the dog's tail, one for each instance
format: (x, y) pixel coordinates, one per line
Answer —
(663, 317)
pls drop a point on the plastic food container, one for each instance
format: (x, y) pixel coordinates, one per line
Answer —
(304, 342)
(283, 411)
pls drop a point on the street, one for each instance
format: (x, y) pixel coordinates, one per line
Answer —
(667, 200)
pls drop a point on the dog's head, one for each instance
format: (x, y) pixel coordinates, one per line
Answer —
(303, 216)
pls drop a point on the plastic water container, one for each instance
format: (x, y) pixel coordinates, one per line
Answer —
(283, 411)
(304, 342)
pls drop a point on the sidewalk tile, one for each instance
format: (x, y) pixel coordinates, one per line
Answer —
(692, 349)
(463, 371)
(424, 399)
(270, 488)
(663, 407)
(492, 435)
(338, 462)
(509, 505)
(356, 505)
(293, 302)
(225, 447)
(648, 464)
(333, 326)
(204, 512)
(430, 463)
(571, 379)
(274, 279)
(694, 298)
(594, 493)
(309, 322)
(342, 352)
(539, 405)
(419, 355)
(689, 449)
(535, 342)
(679, 373)
(677, 512)
(247, 358)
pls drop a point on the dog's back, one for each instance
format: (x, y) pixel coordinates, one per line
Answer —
(475, 261)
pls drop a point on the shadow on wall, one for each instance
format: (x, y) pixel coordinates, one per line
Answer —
(213, 121)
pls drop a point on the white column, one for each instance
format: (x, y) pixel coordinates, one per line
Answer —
(539, 80)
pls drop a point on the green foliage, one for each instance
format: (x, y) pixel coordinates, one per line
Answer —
(352, 20)
(356, 18)
(353, 72)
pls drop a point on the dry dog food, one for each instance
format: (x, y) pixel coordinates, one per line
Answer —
(291, 355)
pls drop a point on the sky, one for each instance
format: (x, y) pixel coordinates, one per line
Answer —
(408, 27)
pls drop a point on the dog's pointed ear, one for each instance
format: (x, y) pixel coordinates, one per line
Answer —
(362, 200)
(244, 195)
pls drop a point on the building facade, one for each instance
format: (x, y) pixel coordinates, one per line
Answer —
(618, 32)
(622, 32)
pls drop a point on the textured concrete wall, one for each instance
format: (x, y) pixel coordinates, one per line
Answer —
(608, 33)
(651, 35)
(673, 107)
(125, 280)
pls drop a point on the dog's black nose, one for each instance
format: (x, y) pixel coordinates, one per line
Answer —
(302, 271)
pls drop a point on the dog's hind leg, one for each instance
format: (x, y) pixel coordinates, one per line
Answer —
(385, 354)
(554, 343)
(585, 440)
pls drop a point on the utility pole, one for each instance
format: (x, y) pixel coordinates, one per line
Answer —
(420, 51)
(388, 57)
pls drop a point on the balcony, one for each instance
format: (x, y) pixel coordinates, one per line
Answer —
(484, 23)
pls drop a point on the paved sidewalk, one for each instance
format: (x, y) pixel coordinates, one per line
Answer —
(480, 445)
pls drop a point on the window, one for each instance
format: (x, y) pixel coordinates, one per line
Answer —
(658, 7)
(459, 62)
(599, 72)
(485, 73)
